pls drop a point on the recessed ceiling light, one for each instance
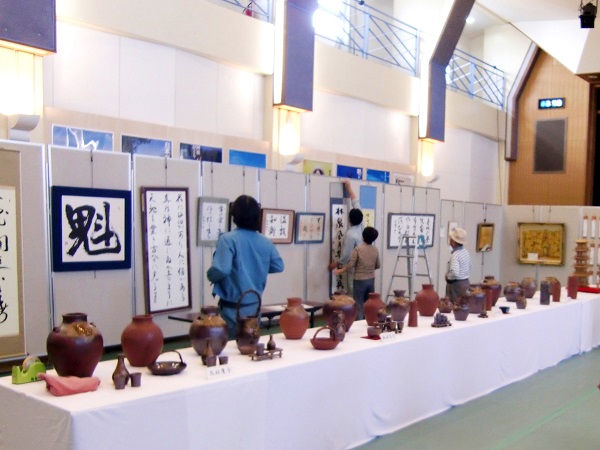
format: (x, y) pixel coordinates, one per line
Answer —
(470, 19)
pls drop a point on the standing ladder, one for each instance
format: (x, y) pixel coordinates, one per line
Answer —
(413, 253)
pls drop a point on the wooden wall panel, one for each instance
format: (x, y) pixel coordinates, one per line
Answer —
(550, 79)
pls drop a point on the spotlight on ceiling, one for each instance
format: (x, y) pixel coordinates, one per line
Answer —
(588, 14)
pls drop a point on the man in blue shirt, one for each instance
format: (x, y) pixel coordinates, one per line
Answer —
(241, 262)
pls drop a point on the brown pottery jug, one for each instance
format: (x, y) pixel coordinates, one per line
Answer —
(512, 290)
(529, 286)
(209, 325)
(372, 307)
(398, 306)
(75, 346)
(247, 328)
(294, 319)
(340, 301)
(492, 289)
(142, 341)
(428, 300)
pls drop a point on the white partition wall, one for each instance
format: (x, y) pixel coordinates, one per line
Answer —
(105, 295)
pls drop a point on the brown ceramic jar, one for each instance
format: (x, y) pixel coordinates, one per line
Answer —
(398, 306)
(492, 289)
(340, 301)
(512, 290)
(428, 300)
(294, 319)
(209, 325)
(529, 286)
(142, 341)
(372, 307)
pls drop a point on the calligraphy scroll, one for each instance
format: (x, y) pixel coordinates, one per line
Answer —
(167, 257)
(213, 219)
(339, 224)
(91, 229)
(412, 225)
(278, 225)
(9, 273)
(310, 228)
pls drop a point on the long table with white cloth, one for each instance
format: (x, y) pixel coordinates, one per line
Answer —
(307, 398)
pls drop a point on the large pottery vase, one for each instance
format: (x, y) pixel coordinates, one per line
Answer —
(492, 289)
(512, 290)
(340, 301)
(142, 341)
(529, 286)
(372, 307)
(475, 299)
(294, 319)
(554, 288)
(75, 346)
(209, 325)
(398, 306)
(428, 300)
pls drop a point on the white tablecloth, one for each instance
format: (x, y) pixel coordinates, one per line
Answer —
(308, 398)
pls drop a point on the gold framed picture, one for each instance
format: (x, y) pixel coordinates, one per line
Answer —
(541, 243)
(485, 237)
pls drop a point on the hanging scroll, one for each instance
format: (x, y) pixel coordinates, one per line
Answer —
(166, 252)
(415, 225)
(9, 273)
(213, 220)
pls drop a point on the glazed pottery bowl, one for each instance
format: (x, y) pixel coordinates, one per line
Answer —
(505, 309)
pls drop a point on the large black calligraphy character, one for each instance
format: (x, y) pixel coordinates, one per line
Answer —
(90, 227)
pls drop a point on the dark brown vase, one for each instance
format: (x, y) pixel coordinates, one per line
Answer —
(529, 286)
(75, 346)
(572, 286)
(428, 300)
(294, 319)
(474, 298)
(512, 290)
(461, 312)
(142, 341)
(341, 302)
(544, 292)
(372, 307)
(413, 314)
(555, 288)
(398, 306)
(209, 325)
(247, 332)
(120, 375)
(492, 289)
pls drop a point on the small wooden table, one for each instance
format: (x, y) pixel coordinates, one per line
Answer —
(269, 312)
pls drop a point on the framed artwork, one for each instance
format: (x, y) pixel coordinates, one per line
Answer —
(166, 248)
(310, 228)
(278, 225)
(213, 220)
(419, 227)
(485, 237)
(541, 243)
(91, 229)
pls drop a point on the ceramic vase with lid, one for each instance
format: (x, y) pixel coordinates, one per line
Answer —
(75, 346)
(294, 319)
(529, 286)
(398, 306)
(340, 301)
(372, 307)
(209, 325)
(492, 288)
(428, 300)
(142, 341)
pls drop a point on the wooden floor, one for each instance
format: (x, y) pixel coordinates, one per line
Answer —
(557, 408)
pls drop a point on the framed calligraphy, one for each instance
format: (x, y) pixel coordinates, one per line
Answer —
(415, 226)
(278, 225)
(213, 220)
(310, 228)
(91, 229)
(166, 248)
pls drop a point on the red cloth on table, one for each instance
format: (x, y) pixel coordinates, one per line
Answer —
(60, 386)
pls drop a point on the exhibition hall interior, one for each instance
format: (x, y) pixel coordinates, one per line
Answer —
(299, 224)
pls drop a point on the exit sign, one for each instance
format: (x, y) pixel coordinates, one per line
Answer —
(551, 103)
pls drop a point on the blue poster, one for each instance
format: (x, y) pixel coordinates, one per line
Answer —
(241, 158)
(201, 152)
(145, 146)
(80, 138)
(378, 175)
(349, 172)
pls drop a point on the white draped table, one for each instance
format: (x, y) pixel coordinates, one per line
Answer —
(308, 398)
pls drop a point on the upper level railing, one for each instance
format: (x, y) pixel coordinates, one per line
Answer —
(476, 78)
(372, 34)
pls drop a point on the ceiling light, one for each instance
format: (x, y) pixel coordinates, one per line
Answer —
(470, 20)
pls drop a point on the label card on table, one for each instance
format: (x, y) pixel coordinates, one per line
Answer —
(218, 371)
(388, 335)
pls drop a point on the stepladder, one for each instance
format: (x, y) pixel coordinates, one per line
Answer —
(411, 264)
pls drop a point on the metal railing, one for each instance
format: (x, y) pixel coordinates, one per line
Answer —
(373, 34)
(476, 78)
